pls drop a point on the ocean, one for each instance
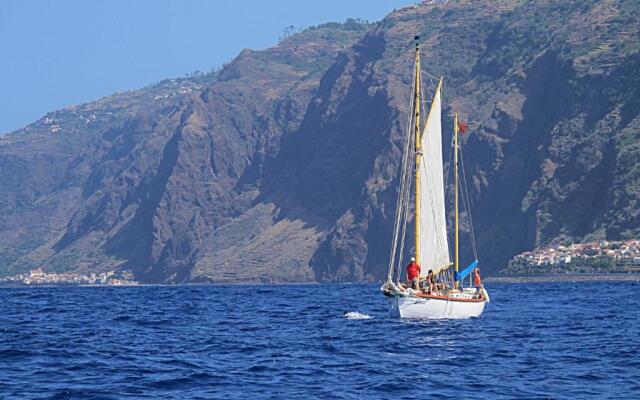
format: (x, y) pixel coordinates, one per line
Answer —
(542, 340)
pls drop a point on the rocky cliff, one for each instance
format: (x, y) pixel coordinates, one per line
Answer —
(283, 165)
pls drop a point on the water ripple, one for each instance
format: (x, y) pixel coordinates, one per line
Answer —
(542, 340)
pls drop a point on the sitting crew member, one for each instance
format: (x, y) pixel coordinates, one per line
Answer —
(476, 278)
(413, 274)
(431, 281)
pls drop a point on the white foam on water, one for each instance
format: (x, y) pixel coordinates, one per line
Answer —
(356, 315)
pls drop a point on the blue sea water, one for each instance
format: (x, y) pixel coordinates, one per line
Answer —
(543, 340)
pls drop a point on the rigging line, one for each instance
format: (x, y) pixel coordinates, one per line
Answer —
(446, 171)
(406, 181)
(468, 208)
(404, 227)
(451, 143)
(399, 211)
(405, 154)
(430, 76)
(446, 184)
(467, 203)
(406, 200)
(402, 188)
(403, 207)
(446, 181)
(406, 196)
(452, 146)
(423, 109)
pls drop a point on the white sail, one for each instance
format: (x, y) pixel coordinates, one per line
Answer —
(434, 246)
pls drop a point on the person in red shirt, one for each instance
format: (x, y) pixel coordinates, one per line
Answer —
(413, 274)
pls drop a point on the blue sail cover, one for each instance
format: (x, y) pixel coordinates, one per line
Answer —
(460, 276)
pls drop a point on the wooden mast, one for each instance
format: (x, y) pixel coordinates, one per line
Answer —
(455, 185)
(418, 149)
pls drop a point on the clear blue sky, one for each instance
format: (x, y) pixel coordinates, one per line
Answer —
(54, 53)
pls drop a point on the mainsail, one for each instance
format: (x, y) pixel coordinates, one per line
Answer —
(434, 246)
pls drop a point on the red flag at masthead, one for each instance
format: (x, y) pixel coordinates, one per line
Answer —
(462, 127)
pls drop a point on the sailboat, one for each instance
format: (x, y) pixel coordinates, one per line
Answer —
(443, 294)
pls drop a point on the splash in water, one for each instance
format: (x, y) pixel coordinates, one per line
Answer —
(356, 315)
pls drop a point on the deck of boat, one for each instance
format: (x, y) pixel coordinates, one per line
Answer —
(457, 296)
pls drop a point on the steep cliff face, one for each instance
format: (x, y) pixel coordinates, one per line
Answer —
(551, 154)
(283, 166)
(563, 128)
(143, 180)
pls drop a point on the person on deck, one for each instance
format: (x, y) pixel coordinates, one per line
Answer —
(413, 274)
(477, 282)
(431, 281)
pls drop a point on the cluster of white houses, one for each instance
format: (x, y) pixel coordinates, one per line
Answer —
(39, 277)
(621, 253)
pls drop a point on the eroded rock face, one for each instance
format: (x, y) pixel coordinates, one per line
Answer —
(283, 166)
(144, 180)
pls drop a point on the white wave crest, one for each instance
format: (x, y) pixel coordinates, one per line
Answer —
(356, 315)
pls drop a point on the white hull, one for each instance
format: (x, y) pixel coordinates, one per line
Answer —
(421, 307)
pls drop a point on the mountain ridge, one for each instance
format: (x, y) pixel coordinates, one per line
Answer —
(281, 167)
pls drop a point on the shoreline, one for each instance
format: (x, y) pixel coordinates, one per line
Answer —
(613, 277)
(622, 277)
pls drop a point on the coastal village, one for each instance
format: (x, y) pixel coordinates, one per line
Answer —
(595, 257)
(39, 277)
